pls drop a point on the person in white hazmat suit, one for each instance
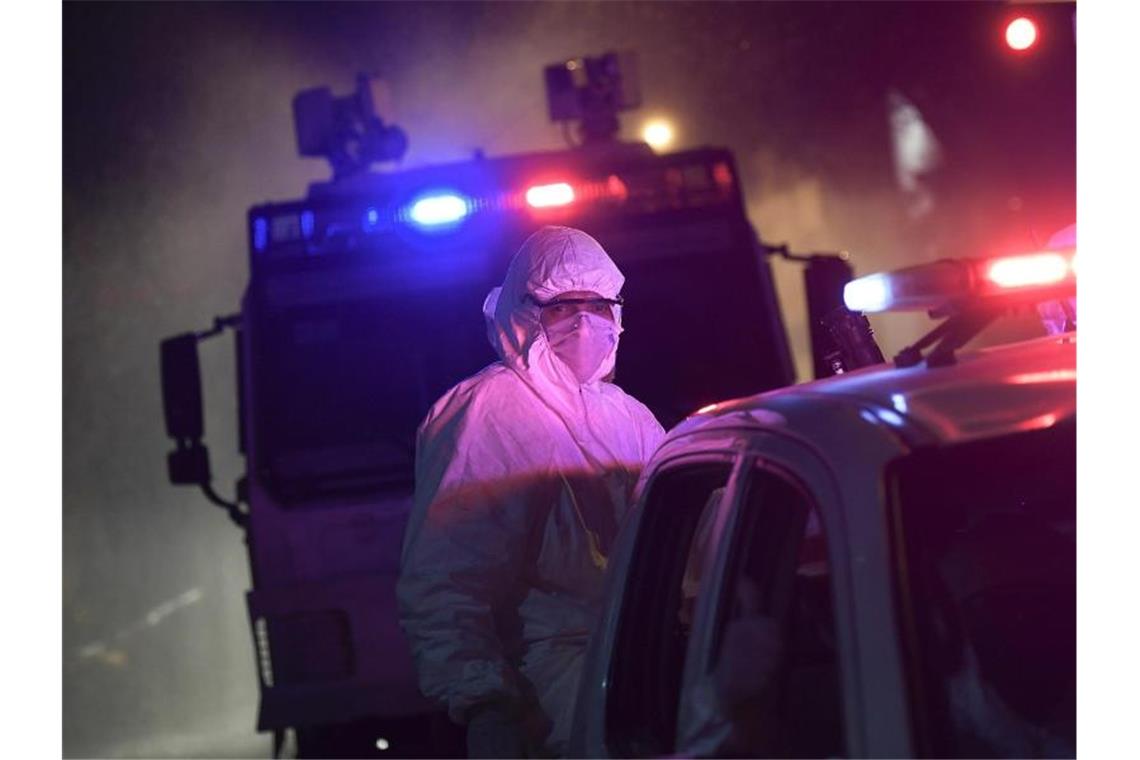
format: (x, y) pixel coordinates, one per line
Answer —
(523, 473)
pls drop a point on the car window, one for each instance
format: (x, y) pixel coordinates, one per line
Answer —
(671, 553)
(774, 680)
(984, 546)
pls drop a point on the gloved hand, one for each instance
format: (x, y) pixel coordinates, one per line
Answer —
(495, 729)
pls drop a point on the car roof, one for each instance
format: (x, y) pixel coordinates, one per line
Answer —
(987, 392)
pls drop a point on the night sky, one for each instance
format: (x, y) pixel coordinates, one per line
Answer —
(177, 119)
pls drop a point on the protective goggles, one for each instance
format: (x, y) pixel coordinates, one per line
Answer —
(560, 307)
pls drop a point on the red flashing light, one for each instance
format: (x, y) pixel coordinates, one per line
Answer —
(561, 194)
(722, 176)
(548, 196)
(616, 189)
(1030, 270)
(1021, 33)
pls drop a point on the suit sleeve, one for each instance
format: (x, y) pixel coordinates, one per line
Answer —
(463, 554)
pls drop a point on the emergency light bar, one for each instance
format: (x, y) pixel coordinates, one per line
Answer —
(930, 286)
(694, 180)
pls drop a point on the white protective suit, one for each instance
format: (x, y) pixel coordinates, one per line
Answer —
(522, 477)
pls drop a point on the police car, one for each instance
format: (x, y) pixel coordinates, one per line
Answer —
(881, 563)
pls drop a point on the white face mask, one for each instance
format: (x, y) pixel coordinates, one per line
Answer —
(582, 342)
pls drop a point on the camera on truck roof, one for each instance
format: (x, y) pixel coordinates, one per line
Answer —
(592, 91)
(346, 130)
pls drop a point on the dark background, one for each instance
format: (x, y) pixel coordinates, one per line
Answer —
(177, 119)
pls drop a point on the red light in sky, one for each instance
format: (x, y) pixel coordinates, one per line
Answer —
(1021, 33)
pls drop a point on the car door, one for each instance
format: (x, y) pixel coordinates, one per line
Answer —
(630, 688)
(764, 671)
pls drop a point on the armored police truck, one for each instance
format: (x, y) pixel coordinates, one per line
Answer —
(364, 305)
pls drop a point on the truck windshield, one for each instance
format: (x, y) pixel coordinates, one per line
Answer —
(984, 543)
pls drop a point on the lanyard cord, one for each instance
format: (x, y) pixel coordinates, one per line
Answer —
(596, 555)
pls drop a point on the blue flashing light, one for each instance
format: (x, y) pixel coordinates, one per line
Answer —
(308, 223)
(870, 293)
(437, 210)
(260, 233)
(371, 219)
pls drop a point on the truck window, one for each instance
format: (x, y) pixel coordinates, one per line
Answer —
(775, 666)
(984, 541)
(673, 545)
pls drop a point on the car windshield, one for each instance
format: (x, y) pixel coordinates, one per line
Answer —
(984, 543)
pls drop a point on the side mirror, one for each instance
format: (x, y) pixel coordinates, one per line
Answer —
(189, 463)
(189, 466)
(182, 387)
